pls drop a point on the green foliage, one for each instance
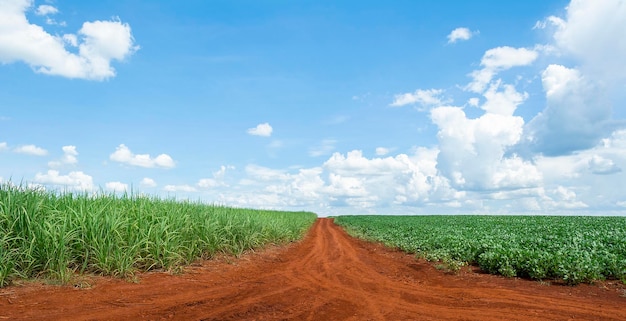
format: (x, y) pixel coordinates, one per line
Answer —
(58, 234)
(574, 249)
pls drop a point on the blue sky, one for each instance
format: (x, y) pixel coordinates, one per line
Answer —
(337, 107)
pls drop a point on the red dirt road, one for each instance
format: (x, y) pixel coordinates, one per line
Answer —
(327, 276)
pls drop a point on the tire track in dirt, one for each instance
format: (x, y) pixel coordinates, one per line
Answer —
(327, 276)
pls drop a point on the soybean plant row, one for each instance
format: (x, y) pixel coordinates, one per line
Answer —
(572, 249)
(56, 235)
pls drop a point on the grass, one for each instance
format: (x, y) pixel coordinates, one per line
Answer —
(571, 249)
(56, 235)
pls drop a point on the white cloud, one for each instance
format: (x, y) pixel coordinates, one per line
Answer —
(279, 188)
(474, 101)
(595, 33)
(45, 9)
(349, 180)
(460, 34)
(496, 60)
(70, 39)
(565, 198)
(217, 180)
(354, 163)
(484, 182)
(123, 155)
(148, 182)
(31, 150)
(307, 185)
(116, 186)
(208, 183)
(68, 158)
(382, 151)
(472, 151)
(100, 43)
(550, 21)
(325, 147)
(74, 180)
(180, 188)
(579, 110)
(559, 168)
(426, 98)
(349, 190)
(593, 173)
(502, 58)
(502, 102)
(3, 146)
(263, 129)
(603, 166)
(576, 117)
(354, 179)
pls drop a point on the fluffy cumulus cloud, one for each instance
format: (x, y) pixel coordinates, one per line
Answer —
(68, 158)
(382, 151)
(349, 181)
(579, 110)
(124, 155)
(273, 188)
(86, 55)
(460, 34)
(577, 115)
(473, 151)
(31, 150)
(358, 181)
(74, 180)
(148, 182)
(593, 32)
(263, 129)
(116, 187)
(496, 60)
(502, 102)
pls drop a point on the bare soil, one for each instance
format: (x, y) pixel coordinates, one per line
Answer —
(327, 276)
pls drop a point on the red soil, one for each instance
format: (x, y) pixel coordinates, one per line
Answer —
(327, 276)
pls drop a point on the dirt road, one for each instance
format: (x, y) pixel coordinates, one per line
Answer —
(327, 276)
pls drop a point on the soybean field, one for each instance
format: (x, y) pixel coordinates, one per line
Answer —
(572, 249)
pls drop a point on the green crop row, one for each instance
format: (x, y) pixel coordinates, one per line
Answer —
(58, 234)
(574, 249)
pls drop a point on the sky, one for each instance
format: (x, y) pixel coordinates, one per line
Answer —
(335, 107)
